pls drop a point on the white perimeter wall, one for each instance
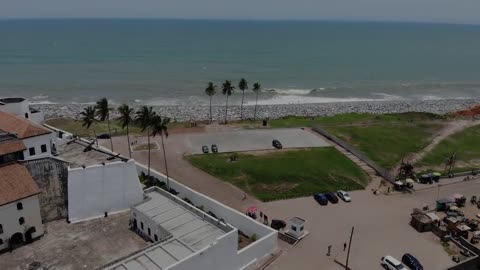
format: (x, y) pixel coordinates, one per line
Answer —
(218, 253)
(98, 189)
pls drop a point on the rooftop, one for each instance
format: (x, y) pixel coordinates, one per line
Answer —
(16, 183)
(190, 233)
(74, 155)
(20, 126)
(297, 221)
(4, 101)
(9, 143)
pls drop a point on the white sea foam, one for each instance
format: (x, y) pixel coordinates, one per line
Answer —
(40, 102)
(388, 96)
(292, 91)
(41, 96)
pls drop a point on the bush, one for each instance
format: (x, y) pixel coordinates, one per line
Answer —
(253, 237)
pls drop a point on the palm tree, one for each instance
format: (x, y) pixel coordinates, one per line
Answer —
(227, 89)
(88, 118)
(210, 91)
(144, 118)
(159, 127)
(256, 88)
(103, 113)
(125, 120)
(242, 85)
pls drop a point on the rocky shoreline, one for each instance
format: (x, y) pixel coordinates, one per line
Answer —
(201, 113)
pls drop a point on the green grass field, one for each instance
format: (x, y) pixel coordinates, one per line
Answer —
(285, 174)
(465, 143)
(75, 127)
(385, 139)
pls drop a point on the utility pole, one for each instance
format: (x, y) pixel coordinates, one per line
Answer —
(349, 245)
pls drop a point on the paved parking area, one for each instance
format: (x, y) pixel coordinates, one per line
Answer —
(381, 228)
(251, 140)
(84, 245)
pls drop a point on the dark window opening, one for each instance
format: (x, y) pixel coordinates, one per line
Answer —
(43, 148)
(141, 225)
(21, 221)
(26, 115)
(1, 241)
(156, 238)
(149, 233)
(19, 206)
(31, 150)
(1, 229)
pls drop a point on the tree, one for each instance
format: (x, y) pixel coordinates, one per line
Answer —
(103, 113)
(125, 120)
(210, 91)
(144, 117)
(159, 127)
(242, 85)
(227, 89)
(256, 88)
(88, 118)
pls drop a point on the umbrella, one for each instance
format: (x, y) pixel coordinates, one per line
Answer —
(252, 209)
(437, 174)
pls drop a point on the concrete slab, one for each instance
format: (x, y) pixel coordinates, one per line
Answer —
(251, 140)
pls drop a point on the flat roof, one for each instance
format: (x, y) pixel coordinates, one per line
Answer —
(190, 233)
(297, 221)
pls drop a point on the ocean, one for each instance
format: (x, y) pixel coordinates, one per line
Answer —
(168, 62)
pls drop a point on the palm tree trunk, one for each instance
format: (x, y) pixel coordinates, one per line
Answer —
(166, 166)
(210, 109)
(148, 140)
(241, 105)
(110, 133)
(128, 141)
(255, 113)
(226, 110)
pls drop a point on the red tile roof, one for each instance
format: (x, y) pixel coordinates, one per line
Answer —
(11, 146)
(16, 183)
(20, 126)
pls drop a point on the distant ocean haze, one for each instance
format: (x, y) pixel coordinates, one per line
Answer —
(167, 62)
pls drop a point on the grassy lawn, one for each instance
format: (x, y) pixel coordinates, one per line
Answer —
(75, 127)
(466, 144)
(285, 174)
(385, 138)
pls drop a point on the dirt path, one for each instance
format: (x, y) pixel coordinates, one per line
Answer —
(449, 129)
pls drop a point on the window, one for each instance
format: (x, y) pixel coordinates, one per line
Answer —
(31, 150)
(21, 220)
(149, 232)
(156, 238)
(301, 228)
(19, 206)
(1, 241)
(1, 229)
(294, 228)
(26, 115)
(141, 225)
(43, 148)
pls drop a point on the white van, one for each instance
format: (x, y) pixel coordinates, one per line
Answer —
(390, 263)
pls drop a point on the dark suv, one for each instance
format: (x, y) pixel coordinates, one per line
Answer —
(277, 144)
(411, 262)
(321, 198)
(332, 197)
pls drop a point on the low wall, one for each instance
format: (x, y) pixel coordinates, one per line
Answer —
(471, 263)
(386, 174)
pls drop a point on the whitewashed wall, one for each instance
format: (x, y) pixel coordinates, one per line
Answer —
(9, 216)
(98, 189)
(19, 108)
(36, 142)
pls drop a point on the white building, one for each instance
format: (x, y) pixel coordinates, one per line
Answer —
(20, 220)
(38, 140)
(187, 238)
(20, 107)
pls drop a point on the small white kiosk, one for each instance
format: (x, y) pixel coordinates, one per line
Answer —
(296, 228)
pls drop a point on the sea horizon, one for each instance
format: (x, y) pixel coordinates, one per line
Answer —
(169, 61)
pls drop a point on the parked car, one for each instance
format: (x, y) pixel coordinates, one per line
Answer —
(276, 143)
(205, 149)
(214, 148)
(103, 136)
(278, 224)
(344, 196)
(390, 263)
(331, 197)
(411, 262)
(321, 198)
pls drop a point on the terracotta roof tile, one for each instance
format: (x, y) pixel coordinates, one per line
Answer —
(11, 146)
(16, 183)
(20, 126)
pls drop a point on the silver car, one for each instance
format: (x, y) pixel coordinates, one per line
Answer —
(344, 196)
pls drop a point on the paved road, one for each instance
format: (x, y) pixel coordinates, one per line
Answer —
(251, 140)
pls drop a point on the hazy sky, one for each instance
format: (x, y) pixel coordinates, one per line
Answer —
(457, 11)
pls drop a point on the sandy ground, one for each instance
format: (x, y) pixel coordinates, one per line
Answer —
(84, 245)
